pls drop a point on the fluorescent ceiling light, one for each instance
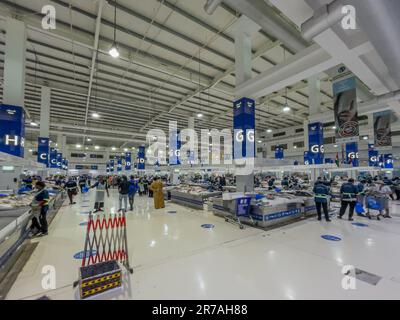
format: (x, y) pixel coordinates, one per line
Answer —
(113, 148)
(334, 127)
(365, 138)
(269, 130)
(199, 115)
(97, 147)
(286, 108)
(95, 115)
(30, 150)
(34, 124)
(126, 149)
(78, 146)
(114, 51)
(88, 139)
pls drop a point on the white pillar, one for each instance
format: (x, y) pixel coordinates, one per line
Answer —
(191, 123)
(45, 112)
(14, 63)
(314, 95)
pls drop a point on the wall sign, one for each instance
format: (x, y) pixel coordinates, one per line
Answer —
(316, 142)
(352, 154)
(141, 165)
(128, 161)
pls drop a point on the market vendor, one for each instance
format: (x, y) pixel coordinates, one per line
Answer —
(72, 189)
(321, 199)
(40, 204)
(348, 195)
(28, 182)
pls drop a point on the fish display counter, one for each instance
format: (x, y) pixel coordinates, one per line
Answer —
(193, 197)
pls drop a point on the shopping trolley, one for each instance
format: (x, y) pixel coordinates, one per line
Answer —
(375, 202)
(242, 209)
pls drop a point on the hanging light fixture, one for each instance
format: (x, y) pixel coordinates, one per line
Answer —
(286, 107)
(114, 49)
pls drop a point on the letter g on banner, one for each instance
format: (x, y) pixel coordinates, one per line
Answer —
(49, 20)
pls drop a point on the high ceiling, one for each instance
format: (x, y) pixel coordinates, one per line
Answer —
(176, 61)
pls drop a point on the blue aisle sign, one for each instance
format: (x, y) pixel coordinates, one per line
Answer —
(316, 142)
(329, 161)
(381, 161)
(43, 151)
(243, 206)
(307, 159)
(141, 165)
(128, 161)
(352, 153)
(79, 167)
(112, 165)
(174, 148)
(244, 126)
(94, 167)
(373, 156)
(59, 160)
(119, 164)
(388, 158)
(279, 154)
(12, 130)
(53, 158)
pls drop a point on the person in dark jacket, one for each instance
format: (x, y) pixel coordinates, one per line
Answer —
(321, 199)
(348, 195)
(72, 190)
(42, 201)
(133, 189)
(82, 183)
(285, 183)
(123, 190)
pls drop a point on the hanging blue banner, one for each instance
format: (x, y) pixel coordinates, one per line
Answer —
(112, 165)
(66, 164)
(119, 164)
(381, 161)
(141, 156)
(12, 130)
(329, 161)
(316, 142)
(373, 156)
(128, 161)
(107, 167)
(244, 126)
(307, 159)
(59, 160)
(174, 147)
(43, 151)
(279, 153)
(352, 153)
(388, 158)
(63, 164)
(53, 158)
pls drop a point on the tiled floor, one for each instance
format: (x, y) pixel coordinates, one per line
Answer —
(175, 258)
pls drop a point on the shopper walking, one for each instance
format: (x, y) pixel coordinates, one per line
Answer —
(133, 189)
(101, 188)
(141, 187)
(385, 192)
(348, 195)
(40, 207)
(72, 190)
(123, 189)
(158, 195)
(396, 184)
(321, 199)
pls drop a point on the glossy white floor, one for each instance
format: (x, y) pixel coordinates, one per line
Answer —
(175, 258)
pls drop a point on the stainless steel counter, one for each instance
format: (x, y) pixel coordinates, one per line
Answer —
(192, 200)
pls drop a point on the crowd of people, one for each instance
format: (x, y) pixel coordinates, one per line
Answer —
(357, 192)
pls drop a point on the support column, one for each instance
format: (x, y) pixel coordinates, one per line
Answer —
(12, 113)
(244, 107)
(313, 132)
(43, 139)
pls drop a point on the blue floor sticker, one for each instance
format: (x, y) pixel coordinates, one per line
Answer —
(359, 224)
(330, 238)
(85, 223)
(81, 254)
(207, 226)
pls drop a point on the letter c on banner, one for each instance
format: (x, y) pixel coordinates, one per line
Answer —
(43, 156)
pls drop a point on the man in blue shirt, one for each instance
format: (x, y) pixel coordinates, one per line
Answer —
(321, 199)
(348, 194)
